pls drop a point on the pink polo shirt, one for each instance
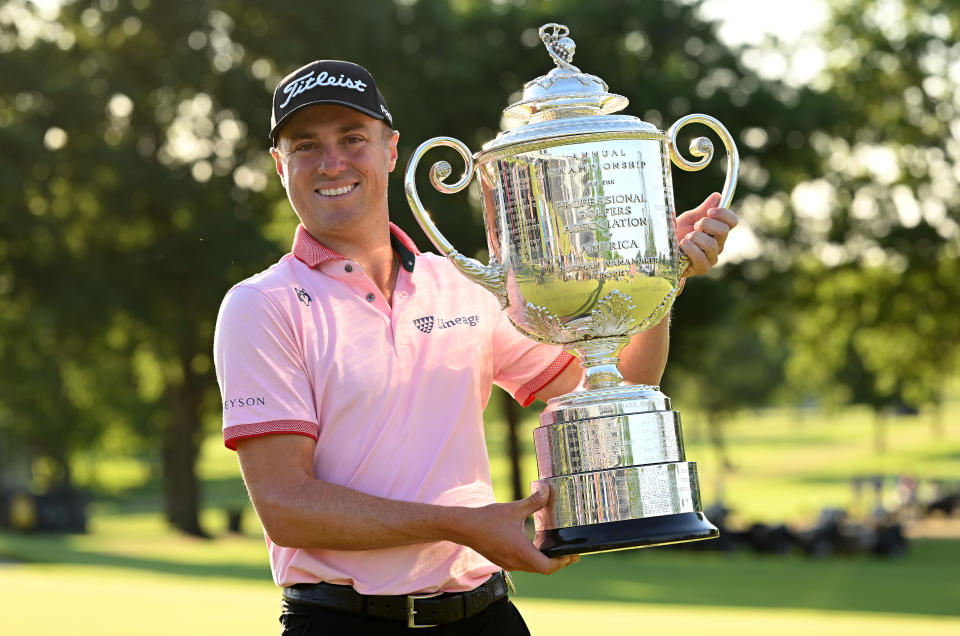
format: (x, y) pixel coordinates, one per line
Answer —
(393, 395)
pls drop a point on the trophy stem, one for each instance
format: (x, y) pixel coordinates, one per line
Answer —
(599, 358)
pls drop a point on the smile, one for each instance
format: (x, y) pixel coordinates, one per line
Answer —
(335, 192)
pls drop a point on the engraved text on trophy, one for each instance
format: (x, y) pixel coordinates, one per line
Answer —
(582, 220)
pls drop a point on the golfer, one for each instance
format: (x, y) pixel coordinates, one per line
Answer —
(354, 374)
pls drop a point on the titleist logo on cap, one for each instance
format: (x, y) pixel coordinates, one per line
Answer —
(306, 82)
(327, 82)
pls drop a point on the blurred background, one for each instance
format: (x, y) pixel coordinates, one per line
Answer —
(815, 369)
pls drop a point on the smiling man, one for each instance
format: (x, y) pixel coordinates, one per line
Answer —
(363, 367)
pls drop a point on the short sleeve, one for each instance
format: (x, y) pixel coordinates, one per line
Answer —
(523, 366)
(263, 381)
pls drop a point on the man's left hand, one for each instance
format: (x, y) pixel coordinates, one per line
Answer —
(702, 233)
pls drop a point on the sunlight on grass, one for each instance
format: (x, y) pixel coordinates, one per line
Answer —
(552, 617)
(102, 603)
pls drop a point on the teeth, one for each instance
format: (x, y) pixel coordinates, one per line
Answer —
(333, 192)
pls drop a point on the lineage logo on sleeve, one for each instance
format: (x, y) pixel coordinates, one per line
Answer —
(427, 323)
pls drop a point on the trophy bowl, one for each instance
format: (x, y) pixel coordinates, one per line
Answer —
(580, 219)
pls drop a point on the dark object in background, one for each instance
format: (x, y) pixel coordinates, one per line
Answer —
(234, 520)
(946, 504)
(767, 539)
(890, 541)
(58, 511)
(834, 534)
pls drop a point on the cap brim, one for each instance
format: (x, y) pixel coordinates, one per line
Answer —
(286, 117)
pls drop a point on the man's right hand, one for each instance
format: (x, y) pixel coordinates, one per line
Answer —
(496, 532)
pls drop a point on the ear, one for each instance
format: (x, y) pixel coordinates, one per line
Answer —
(276, 157)
(393, 149)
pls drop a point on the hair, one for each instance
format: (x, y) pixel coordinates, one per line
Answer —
(388, 130)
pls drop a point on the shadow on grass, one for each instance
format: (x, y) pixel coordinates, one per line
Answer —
(63, 550)
(924, 582)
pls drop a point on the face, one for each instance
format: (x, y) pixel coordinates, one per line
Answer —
(334, 163)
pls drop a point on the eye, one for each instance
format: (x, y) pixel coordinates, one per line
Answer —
(306, 146)
(355, 139)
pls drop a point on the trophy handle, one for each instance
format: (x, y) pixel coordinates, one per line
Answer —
(703, 148)
(490, 277)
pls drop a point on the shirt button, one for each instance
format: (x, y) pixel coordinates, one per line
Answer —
(348, 268)
(371, 297)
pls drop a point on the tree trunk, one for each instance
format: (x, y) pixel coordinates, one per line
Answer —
(181, 486)
(64, 479)
(510, 414)
(715, 431)
(936, 418)
(879, 432)
(717, 439)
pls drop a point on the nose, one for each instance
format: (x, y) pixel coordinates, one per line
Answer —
(331, 161)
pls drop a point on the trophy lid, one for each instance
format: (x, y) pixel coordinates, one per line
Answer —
(565, 101)
(565, 91)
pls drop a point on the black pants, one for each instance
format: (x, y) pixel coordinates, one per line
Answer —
(501, 618)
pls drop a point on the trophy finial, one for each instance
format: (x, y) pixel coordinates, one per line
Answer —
(560, 47)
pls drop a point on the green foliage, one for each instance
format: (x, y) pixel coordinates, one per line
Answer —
(135, 188)
(730, 357)
(872, 316)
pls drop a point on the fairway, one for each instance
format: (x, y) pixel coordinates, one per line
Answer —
(105, 602)
(130, 574)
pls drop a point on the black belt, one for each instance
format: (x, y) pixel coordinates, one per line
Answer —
(416, 610)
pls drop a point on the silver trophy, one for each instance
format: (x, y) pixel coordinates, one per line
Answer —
(580, 219)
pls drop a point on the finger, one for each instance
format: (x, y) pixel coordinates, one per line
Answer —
(707, 244)
(714, 228)
(725, 216)
(698, 260)
(711, 201)
(558, 563)
(687, 220)
(530, 559)
(534, 502)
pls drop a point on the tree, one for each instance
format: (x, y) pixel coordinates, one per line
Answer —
(731, 360)
(136, 187)
(875, 296)
(121, 173)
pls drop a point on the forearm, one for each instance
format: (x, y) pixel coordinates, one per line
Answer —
(300, 511)
(644, 359)
(318, 514)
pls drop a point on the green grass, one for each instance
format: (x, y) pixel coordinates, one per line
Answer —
(130, 574)
(103, 603)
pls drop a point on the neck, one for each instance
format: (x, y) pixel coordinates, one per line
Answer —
(382, 267)
(373, 250)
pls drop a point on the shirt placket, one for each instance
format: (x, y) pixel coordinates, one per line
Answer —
(353, 275)
(402, 318)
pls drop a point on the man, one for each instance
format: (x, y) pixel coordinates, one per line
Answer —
(358, 427)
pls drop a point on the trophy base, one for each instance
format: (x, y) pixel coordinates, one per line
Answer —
(623, 535)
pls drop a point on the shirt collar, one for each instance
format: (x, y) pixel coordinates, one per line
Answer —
(314, 253)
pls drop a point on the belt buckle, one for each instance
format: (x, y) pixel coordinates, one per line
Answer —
(411, 612)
